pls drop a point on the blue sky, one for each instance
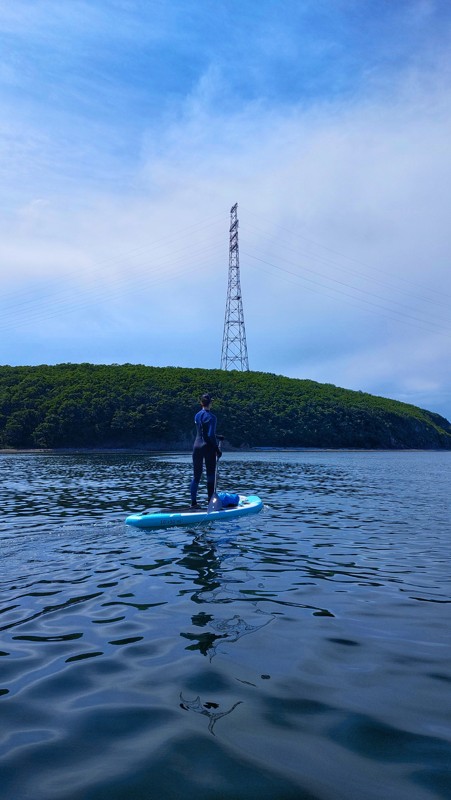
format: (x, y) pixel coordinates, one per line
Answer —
(127, 131)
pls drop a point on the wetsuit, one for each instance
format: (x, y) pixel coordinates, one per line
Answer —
(205, 449)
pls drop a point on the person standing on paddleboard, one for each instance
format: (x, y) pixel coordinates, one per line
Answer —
(206, 449)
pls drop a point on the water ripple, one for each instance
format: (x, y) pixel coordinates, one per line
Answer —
(287, 655)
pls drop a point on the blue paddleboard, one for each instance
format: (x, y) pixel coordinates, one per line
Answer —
(167, 519)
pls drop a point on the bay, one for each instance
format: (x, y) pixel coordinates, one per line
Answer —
(301, 653)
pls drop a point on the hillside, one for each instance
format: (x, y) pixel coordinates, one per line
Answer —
(134, 406)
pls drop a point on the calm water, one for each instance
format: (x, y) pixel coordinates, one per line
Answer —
(303, 653)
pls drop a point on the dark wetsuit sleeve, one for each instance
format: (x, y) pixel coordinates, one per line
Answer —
(206, 430)
(211, 432)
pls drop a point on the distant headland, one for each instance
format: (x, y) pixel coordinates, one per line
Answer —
(128, 406)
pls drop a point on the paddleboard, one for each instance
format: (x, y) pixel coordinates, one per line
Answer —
(167, 518)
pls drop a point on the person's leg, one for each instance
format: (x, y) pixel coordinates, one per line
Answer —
(197, 473)
(210, 468)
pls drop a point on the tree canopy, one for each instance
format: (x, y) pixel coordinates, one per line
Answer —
(135, 406)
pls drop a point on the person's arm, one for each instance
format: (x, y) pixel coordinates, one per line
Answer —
(212, 438)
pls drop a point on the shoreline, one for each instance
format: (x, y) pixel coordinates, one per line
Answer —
(61, 451)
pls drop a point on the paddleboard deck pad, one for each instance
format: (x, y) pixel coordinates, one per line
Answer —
(167, 518)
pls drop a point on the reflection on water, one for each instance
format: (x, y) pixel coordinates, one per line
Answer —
(202, 556)
(301, 653)
(209, 710)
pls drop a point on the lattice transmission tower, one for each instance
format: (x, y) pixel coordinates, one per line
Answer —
(234, 347)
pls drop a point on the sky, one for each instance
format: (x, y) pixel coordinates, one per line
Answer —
(128, 129)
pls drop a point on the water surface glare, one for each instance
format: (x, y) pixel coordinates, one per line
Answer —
(301, 654)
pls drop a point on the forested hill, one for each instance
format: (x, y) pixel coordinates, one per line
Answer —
(133, 406)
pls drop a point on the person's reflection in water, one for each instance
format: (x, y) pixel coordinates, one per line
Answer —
(202, 557)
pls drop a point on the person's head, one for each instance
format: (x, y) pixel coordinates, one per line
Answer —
(206, 400)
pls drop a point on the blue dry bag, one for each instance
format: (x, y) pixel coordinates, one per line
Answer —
(228, 500)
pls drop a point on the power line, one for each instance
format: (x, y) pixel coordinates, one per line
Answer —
(54, 302)
(114, 290)
(430, 327)
(145, 273)
(357, 289)
(123, 258)
(349, 258)
(313, 256)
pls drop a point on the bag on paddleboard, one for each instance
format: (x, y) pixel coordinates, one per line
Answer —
(228, 500)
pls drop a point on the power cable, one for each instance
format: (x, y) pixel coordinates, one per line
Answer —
(348, 258)
(407, 319)
(361, 291)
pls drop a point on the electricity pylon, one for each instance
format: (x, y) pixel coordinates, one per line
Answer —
(234, 347)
